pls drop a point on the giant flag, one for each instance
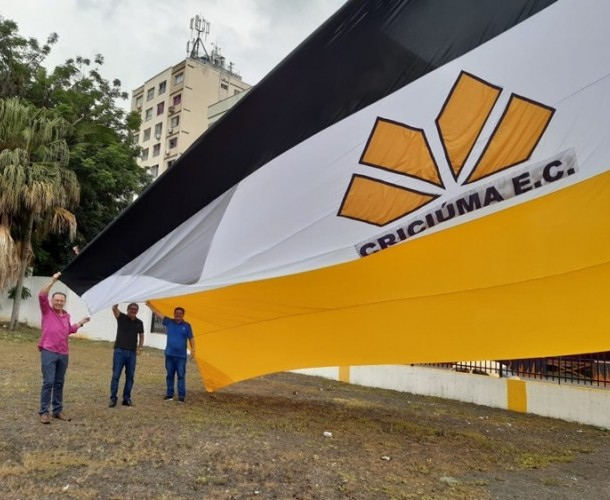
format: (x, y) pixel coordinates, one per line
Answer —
(419, 181)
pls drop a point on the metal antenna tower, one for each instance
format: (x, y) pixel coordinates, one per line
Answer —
(200, 27)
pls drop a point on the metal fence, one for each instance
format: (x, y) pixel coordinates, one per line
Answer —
(587, 369)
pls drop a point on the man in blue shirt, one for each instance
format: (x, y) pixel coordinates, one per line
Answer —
(178, 332)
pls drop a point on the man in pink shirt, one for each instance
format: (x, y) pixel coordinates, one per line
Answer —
(53, 347)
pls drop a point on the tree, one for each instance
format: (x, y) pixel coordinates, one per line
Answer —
(36, 188)
(103, 151)
(20, 59)
(103, 148)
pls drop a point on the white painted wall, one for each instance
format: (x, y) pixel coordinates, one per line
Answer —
(570, 402)
(102, 325)
(566, 401)
(488, 391)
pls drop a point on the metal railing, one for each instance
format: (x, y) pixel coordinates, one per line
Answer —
(591, 369)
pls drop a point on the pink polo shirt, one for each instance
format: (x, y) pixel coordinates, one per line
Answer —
(55, 327)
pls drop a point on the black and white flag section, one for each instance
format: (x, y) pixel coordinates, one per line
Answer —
(419, 181)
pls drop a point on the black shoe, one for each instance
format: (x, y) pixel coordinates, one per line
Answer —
(180, 400)
(168, 398)
(128, 402)
(112, 403)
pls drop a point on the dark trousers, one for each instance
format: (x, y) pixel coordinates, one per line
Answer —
(122, 358)
(54, 368)
(175, 366)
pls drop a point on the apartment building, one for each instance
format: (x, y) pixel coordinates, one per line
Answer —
(174, 107)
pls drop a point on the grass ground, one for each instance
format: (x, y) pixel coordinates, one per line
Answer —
(265, 438)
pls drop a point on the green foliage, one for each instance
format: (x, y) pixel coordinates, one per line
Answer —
(36, 187)
(25, 293)
(20, 59)
(102, 147)
(108, 178)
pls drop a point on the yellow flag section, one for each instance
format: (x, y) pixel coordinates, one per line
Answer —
(529, 281)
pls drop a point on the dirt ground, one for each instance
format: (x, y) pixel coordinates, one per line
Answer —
(277, 437)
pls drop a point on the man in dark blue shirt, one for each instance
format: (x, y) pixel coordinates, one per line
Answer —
(128, 344)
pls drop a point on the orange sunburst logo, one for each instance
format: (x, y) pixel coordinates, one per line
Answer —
(405, 150)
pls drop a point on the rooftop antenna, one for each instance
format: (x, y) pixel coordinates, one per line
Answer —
(200, 28)
(216, 57)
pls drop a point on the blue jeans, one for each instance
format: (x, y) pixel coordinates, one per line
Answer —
(175, 365)
(122, 358)
(54, 368)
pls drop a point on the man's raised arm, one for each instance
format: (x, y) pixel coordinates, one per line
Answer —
(46, 289)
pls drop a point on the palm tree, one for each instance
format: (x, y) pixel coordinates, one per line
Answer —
(36, 188)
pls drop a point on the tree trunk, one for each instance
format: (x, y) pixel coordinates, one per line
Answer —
(23, 265)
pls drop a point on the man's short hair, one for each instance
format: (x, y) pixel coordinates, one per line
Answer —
(179, 309)
(59, 293)
(133, 304)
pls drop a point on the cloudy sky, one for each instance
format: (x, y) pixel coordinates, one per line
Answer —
(138, 38)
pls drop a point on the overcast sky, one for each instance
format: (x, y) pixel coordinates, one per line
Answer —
(138, 38)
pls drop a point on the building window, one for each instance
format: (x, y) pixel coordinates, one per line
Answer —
(156, 150)
(154, 171)
(150, 94)
(160, 108)
(156, 325)
(170, 163)
(177, 100)
(162, 87)
(139, 101)
(144, 154)
(235, 91)
(148, 114)
(224, 86)
(158, 130)
(179, 78)
(173, 142)
(146, 135)
(175, 121)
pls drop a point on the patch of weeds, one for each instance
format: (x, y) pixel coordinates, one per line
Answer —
(127, 456)
(580, 449)
(550, 481)
(479, 482)
(477, 438)
(346, 479)
(49, 464)
(540, 460)
(354, 403)
(11, 470)
(422, 469)
(417, 431)
(21, 335)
